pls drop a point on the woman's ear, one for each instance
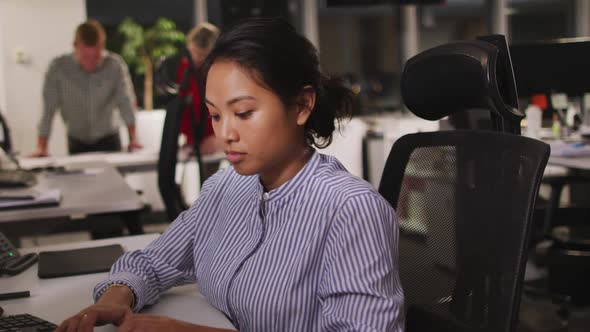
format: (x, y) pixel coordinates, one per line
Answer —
(306, 104)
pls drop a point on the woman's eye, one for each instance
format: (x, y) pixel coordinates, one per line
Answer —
(214, 117)
(244, 115)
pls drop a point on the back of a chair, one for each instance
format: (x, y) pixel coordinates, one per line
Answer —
(169, 189)
(462, 76)
(464, 199)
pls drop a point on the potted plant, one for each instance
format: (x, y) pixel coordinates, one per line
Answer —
(142, 47)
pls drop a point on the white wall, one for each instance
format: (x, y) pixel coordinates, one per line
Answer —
(2, 84)
(42, 29)
(347, 145)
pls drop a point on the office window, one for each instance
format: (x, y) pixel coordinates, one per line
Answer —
(549, 20)
(362, 44)
(226, 13)
(359, 45)
(112, 12)
(145, 12)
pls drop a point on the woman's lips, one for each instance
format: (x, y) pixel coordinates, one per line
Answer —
(235, 157)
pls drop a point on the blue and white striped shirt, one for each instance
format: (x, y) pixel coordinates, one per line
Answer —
(319, 253)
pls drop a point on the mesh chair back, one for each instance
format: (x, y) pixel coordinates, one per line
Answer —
(464, 199)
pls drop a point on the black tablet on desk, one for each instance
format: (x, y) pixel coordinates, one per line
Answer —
(54, 264)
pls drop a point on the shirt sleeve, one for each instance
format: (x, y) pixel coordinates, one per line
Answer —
(169, 260)
(126, 100)
(360, 288)
(51, 100)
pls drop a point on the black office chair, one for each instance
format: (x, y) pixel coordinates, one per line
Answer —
(465, 197)
(170, 191)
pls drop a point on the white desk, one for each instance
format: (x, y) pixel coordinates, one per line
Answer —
(123, 161)
(140, 161)
(59, 298)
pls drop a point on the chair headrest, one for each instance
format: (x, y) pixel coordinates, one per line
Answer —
(454, 77)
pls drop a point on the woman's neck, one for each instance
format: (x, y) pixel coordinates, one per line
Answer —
(287, 171)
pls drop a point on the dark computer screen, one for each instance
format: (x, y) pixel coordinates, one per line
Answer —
(552, 66)
(355, 3)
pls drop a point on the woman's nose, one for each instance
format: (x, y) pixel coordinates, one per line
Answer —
(228, 131)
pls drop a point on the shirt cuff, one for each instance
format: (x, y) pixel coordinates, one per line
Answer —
(134, 282)
(44, 130)
(127, 114)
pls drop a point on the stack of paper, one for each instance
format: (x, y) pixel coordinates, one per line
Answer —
(23, 198)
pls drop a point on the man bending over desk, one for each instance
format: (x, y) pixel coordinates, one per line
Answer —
(87, 86)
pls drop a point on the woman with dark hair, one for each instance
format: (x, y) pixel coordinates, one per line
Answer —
(285, 239)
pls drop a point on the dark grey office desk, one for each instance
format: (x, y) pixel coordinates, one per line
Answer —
(96, 190)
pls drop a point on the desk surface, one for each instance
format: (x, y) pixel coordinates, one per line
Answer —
(121, 160)
(142, 160)
(93, 191)
(579, 163)
(59, 298)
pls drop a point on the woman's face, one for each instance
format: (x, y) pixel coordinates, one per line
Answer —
(259, 133)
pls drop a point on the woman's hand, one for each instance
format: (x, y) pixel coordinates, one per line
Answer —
(122, 316)
(96, 315)
(113, 307)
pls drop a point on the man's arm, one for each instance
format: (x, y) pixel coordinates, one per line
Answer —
(50, 104)
(133, 142)
(41, 150)
(126, 102)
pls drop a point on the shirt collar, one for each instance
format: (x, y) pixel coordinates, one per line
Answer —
(100, 64)
(294, 183)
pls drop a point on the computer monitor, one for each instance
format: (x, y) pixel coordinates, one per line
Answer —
(10, 177)
(545, 67)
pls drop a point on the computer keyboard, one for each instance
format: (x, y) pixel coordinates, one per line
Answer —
(25, 323)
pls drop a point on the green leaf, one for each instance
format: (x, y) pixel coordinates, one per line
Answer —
(162, 39)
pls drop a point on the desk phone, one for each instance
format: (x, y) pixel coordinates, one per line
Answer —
(11, 261)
